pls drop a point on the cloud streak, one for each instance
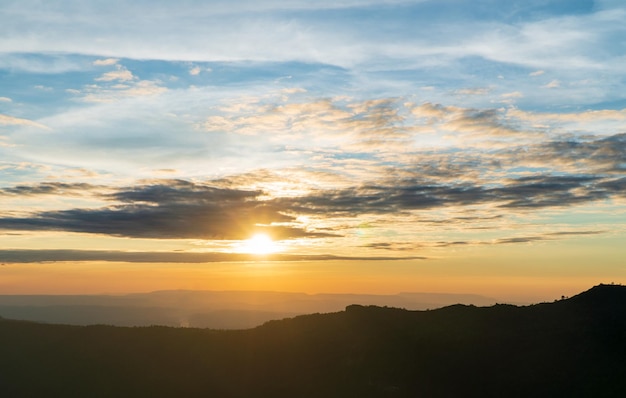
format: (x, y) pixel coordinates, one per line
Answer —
(6, 120)
(169, 211)
(33, 256)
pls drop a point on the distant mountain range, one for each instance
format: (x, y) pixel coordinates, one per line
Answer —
(207, 309)
(573, 347)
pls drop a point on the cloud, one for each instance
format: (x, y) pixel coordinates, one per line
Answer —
(594, 116)
(374, 33)
(473, 91)
(141, 88)
(600, 155)
(514, 94)
(106, 62)
(5, 99)
(32, 256)
(553, 84)
(222, 209)
(411, 246)
(118, 84)
(550, 191)
(530, 192)
(475, 122)
(43, 88)
(544, 237)
(522, 239)
(174, 210)
(123, 75)
(7, 120)
(47, 188)
(536, 73)
(575, 233)
(395, 246)
(358, 126)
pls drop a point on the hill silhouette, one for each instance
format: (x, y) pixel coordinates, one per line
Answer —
(206, 309)
(570, 348)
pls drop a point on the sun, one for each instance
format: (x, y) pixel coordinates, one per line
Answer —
(260, 244)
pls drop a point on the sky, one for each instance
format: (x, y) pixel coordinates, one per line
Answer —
(355, 146)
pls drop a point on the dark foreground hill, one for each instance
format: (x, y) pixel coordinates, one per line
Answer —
(570, 348)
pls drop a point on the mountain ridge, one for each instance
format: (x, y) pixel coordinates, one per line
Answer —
(572, 347)
(197, 308)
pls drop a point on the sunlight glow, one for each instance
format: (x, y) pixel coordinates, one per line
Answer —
(260, 244)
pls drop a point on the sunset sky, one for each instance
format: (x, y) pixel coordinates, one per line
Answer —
(370, 146)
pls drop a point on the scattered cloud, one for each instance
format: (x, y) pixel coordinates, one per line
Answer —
(135, 88)
(357, 126)
(473, 91)
(7, 120)
(121, 74)
(412, 246)
(553, 84)
(514, 94)
(468, 121)
(427, 125)
(47, 188)
(106, 62)
(183, 209)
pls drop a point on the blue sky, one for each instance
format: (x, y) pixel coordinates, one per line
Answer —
(395, 129)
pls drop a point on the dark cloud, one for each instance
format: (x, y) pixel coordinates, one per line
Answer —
(403, 246)
(520, 239)
(46, 188)
(178, 209)
(406, 195)
(395, 246)
(174, 209)
(382, 199)
(607, 154)
(32, 256)
(616, 186)
(574, 233)
(181, 191)
(549, 191)
(545, 236)
(454, 243)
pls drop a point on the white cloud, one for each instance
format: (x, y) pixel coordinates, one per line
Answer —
(536, 73)
(174, 32)
(106, 62)
(5, 99)
(120, 75)
(473, 91)
(553, 84)
(195, 71)
(117, 92)
(514, 94)
(15, 121)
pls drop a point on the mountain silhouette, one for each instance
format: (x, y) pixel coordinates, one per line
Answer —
(206, 309)
(572, 347)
